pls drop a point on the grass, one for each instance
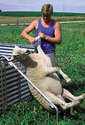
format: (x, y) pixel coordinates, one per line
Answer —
(71, 58)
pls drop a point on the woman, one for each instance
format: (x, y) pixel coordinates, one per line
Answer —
(50, 35)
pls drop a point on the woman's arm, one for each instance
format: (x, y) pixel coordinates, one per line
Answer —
(57, 31)
(27, 30)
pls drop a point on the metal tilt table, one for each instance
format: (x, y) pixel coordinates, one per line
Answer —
(51, 104)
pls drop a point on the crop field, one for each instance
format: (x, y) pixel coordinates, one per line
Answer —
(28, 19)
(71, 58)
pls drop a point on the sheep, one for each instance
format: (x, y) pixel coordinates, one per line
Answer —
(39, 70)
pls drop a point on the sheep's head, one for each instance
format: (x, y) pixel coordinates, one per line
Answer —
(19, 53)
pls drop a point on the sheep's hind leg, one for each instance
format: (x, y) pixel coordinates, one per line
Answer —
(58, 101)
(68, 95)
(40, 51)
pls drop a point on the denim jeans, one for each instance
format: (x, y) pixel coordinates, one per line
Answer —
(52, 56)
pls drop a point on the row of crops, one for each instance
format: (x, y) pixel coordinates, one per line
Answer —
(29, 13)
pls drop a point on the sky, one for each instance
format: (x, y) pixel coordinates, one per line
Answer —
(76, 6)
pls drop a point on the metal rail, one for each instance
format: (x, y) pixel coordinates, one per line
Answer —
(51, 104)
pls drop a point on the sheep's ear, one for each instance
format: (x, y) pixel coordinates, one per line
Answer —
(16, 46)
(12, 58)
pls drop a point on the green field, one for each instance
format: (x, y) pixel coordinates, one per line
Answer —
(36, 13)
(71, 59)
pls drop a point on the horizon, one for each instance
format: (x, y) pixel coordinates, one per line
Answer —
(40, 12)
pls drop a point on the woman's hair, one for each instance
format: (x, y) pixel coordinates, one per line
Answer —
(47, 9)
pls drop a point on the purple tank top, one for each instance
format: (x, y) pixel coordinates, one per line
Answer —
(45, 45)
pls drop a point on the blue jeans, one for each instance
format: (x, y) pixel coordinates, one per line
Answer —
(53, 58)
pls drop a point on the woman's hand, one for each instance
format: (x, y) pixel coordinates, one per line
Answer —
(42, 35)
(32, 40)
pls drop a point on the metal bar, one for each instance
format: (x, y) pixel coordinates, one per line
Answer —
(51, 104)
(9, 48)
(2, 90)
(8, 54)
(71, 110)
(8, 51)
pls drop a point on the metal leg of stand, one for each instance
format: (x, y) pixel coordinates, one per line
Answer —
(57, 115)
(71, 110)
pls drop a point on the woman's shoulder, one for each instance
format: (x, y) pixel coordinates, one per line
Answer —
(35, 23)
(56, 23)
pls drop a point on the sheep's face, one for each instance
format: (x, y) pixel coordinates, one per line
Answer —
(19, 53)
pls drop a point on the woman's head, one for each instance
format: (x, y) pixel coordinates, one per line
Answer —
(47, 11)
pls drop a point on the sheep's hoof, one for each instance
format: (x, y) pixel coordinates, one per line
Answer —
(68, 80)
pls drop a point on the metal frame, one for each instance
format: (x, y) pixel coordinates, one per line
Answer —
(5, 52)
(13, 86)
(51, 104)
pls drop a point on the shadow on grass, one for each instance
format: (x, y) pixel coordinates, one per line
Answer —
(75, 86)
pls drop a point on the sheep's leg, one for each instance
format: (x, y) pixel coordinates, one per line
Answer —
(67, 94)
(58, 101)
(68, 80)
(49, 70)
(40, 51)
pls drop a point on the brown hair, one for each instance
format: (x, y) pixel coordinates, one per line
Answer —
(47, 9)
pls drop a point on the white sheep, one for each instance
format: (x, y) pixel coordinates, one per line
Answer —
(39, 70)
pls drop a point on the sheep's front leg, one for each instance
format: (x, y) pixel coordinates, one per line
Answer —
(49, 70)
(68, 80)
